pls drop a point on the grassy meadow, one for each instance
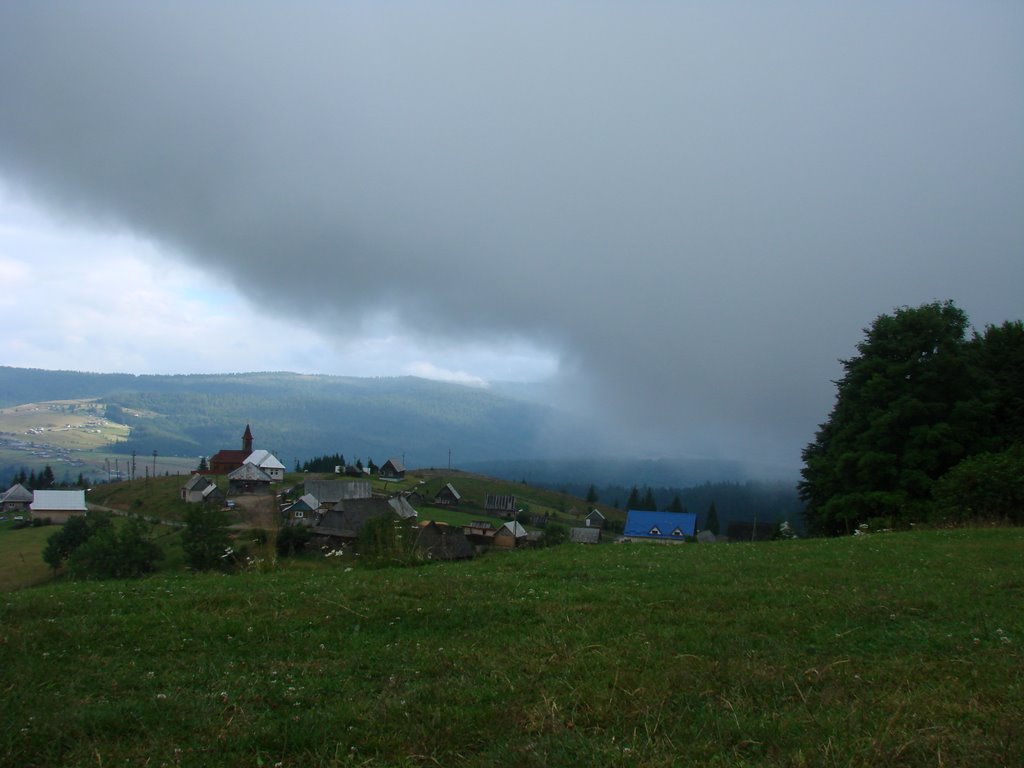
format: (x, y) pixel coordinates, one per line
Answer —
(898, 649)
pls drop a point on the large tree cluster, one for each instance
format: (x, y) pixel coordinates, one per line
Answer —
(920, 398)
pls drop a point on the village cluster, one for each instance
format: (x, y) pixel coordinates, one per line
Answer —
(334, 511)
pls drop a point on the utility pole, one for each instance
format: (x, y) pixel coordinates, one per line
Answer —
(154, 463)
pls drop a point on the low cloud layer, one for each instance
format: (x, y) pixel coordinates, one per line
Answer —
(694, 209)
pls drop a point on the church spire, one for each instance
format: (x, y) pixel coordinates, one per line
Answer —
(247, 440)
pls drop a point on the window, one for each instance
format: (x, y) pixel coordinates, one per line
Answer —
(654, 531)
(298, 513)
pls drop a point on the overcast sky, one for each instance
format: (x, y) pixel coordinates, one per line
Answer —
(681, 213)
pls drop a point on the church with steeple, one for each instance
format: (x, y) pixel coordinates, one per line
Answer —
(225, 461)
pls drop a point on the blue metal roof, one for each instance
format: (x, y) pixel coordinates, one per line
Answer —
(660, 525)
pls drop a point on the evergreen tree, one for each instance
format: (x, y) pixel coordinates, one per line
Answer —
(203, 465)
(712, 522)
(592, 494)
(649, 503)
(676, 505)
(206, 539)
(31, 482)
(634, 499)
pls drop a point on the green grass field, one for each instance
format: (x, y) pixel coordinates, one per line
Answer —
(887, 649)
(21, 562)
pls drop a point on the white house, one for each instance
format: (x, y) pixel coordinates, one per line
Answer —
(266, 461)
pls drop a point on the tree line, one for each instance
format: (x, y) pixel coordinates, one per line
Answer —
(927, 425)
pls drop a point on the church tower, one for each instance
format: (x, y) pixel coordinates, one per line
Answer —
(247, 440)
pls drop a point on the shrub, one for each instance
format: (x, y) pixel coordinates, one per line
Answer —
(987, 486)
(112, 554)
(206, 540)
(291, 540)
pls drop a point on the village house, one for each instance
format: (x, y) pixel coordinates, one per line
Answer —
(268, 462)
(479, 532)
(594, 520)
(502, 505)
(58, 506)
(510, 535)
(303, 511)
(17, 498)
(659, 526)
(200, 489)
(440, 541)
(247, 479)
(447, 496)
(392, 469)
(344, 522)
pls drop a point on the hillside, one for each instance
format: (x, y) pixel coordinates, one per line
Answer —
(505, 430)
(894, 649)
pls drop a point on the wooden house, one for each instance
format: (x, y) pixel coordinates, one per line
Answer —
(248, 478)
(480, 532)
(510, 535)
(304, 511)
(17, 498)
(392, 469)
(440, 541)
(268, 462)
(447, 496)
(502, 505)
(594, 520)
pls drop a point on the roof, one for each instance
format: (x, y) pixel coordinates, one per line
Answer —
(595, 512)
(63, 501)
(308, 502)
(502, 501)
(513, 527)
(229, 456)
(264, 459)
(451, 489)
(197, 483)
(333, 491)
(660, 525)
(16, 492)
(585, 535)
(396, 465)
(348, 517)
(250, 472)
(402, 507)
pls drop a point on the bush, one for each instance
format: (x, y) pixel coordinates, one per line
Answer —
(985, 487)
(110, 554)
(291, 540)
(206, 540)
(554, 534)
(387, 540)
(72, 535)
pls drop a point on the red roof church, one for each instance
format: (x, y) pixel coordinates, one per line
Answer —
(225, 461)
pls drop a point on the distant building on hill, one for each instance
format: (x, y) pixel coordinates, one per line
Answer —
(17, 498)
(503, 505)
(392, 469)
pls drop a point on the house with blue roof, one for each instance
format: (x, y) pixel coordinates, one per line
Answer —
(660, 526)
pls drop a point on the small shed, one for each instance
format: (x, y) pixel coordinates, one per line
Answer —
(510, 535)
(447, 496)
(58, 506)
(479, 532)
(594, 520)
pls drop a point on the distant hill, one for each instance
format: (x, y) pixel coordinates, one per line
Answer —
(300, 416)
(505, 430)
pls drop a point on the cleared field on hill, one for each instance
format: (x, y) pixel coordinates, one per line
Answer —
(892, 649)
(21, 562)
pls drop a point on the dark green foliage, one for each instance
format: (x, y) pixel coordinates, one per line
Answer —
(322, 463)
(649, 503)
(116, 554)
(386, 540)
(633, 502)
(206, 540)
(292, 540)
(72, 535)
(712, 522)
(203, 465)
(676, 505)
(554, 534)
(915, 401)
(988, 486)
(592, 495)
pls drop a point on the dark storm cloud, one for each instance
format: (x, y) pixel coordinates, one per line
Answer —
(697, 208)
